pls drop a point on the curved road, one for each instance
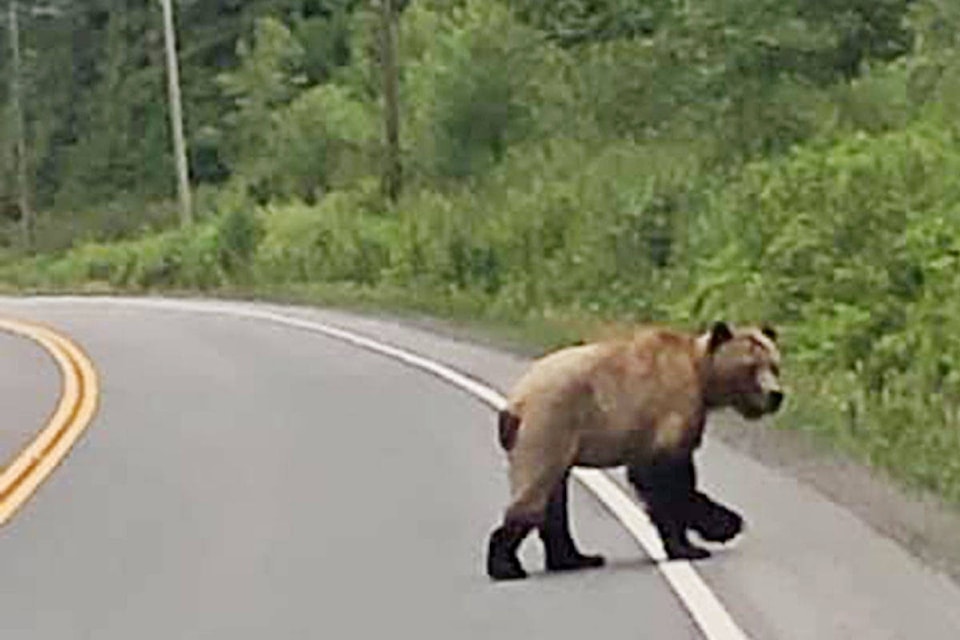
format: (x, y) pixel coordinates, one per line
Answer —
(248, 480)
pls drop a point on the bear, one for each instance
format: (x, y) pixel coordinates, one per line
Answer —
(639, 402)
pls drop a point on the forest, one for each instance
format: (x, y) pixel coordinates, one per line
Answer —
(564, 165)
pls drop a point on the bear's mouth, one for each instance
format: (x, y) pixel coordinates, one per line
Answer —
(751, 411)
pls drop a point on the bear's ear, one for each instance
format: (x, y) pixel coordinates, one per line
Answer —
(719, 333)
(770, 332)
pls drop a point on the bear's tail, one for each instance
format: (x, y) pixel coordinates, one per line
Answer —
(508, 425)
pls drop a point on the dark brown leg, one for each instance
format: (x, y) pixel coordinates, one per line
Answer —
(667, 488)
(560, 549)
(502, 560)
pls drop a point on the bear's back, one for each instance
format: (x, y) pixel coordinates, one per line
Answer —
(654, 368)
(557, 373)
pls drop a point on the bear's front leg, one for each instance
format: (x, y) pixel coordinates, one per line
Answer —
(713, 521)
(667, 487)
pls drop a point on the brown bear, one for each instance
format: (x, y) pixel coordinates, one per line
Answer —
(641, 402)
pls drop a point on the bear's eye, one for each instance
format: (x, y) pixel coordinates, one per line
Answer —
(775, 369)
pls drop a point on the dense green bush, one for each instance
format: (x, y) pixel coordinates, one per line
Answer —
(855, 248)
(472, 86)
(338, 240)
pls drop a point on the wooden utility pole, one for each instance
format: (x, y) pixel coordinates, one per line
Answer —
(393, 168)
(16, 90)
(176, 115)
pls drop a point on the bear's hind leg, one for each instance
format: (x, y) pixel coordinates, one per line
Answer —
(539, 459)
(502, 561)
(527, 511)
(559, 548)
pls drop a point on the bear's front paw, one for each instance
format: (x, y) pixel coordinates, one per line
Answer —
(717, 523)
(685, 551)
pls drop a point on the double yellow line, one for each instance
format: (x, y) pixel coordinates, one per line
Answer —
(78, 403)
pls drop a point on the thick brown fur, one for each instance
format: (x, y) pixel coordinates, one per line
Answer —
(642, 402)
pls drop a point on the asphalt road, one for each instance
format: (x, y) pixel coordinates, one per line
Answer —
(247, 480)
(29, 384)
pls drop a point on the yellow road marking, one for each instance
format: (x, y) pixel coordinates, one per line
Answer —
(78, 402)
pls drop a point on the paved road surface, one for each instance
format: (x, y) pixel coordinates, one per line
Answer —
(246, 480)
(29, 387)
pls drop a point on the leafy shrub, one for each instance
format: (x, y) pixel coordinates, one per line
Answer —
(236, 238)
(467, 76)
(853, 246)
(336, 240)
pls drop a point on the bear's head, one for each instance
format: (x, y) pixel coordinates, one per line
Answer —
(743, 369)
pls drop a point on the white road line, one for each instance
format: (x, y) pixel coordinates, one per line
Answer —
(705, 608)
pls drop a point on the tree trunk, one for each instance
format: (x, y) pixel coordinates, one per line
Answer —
(393, 168)
(16, 90)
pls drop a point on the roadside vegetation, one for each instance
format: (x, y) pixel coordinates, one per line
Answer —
(565, 167)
